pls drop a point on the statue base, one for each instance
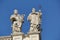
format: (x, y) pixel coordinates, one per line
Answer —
(17, 36)
(34, 35)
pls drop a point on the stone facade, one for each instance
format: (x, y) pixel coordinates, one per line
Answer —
(5, 37)
(17, 20)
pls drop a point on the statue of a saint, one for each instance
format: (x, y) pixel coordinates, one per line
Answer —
(34, 19)
(17, 21)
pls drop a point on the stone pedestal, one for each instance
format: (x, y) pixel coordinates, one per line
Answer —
(17, 36)
(34, 35)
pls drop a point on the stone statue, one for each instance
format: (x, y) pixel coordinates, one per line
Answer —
(17, 21)
(35, 20)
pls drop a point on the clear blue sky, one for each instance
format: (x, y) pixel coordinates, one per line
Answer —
(50, 16)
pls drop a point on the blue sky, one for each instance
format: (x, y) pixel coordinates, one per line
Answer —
(50, 16)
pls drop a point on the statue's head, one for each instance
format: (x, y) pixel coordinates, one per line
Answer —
(15, 11)
(33, 10)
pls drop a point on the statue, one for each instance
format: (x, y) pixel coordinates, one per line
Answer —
(35, 20)
(17, 21)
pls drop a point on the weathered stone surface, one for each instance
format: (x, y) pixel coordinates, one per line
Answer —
(17, 21)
